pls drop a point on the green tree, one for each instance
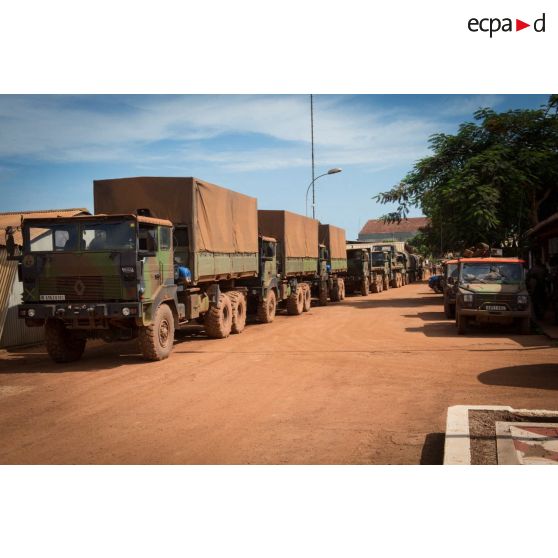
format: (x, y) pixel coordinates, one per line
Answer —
(490, 182)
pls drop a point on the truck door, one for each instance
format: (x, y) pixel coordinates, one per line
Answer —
(148, 239)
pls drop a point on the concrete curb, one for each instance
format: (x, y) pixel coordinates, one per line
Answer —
(457, 446)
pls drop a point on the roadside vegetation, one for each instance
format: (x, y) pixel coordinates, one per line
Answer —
(491, 181)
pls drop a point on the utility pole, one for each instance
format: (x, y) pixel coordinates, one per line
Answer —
(312, 137)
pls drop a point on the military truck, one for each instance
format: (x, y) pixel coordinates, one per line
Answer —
(381, 270)
(398, 270)
(449, 286)
(358, 269)
(333, 240)
(301, 262)
(492, 290)
(126, 274)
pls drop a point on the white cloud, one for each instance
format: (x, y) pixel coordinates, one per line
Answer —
(59, 129)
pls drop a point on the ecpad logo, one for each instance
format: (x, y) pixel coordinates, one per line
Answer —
(493, 25)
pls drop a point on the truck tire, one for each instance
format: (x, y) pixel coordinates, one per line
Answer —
(295, 302)
(238, 301)
(462, 323)
(267, 308)
(62, 345)
(156, 340)
(218, 321)
(364, 287)
(385, 280)
(323, 296)
(335, 295)
(375, 287)
(524, 326)
(449, 310)
(307, 297)
(341, 289)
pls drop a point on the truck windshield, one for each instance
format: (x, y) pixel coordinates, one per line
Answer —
(71, 237)
(108, 236)
(377, 258)
(451, 270)
(494, 272)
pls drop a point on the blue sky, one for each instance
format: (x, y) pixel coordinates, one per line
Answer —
(53, 147)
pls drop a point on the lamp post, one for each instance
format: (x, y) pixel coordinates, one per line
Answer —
(311, 185)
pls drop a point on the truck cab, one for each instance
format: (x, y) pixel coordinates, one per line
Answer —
(97, 276)
(492, 290)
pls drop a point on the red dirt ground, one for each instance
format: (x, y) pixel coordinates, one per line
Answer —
(367, 380)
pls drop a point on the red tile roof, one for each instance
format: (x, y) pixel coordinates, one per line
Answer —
(411, 224)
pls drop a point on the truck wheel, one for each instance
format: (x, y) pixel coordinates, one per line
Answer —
(62, 345)
(386, 283)
(447, 310)
(307, 297)
(267, 308)
(335, 295)
(462, 324)
(524, 326)
(364, 287)
(341, 289)
(375, 288)
(295, 302)
(323, 296)
(238, 311)
(156, 340)
(218, 321)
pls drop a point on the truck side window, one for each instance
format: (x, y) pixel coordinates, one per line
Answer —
(181, 237)
(164, 238)
(147, 238)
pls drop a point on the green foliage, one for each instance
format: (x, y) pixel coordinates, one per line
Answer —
(490, 182)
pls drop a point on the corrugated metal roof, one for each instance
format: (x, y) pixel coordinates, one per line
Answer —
(412, 224)
(13, 219)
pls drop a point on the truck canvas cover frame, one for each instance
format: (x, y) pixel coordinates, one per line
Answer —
(222, 224)
(334, 239)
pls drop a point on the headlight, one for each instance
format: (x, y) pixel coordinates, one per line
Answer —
(31, 312)
(522, 299)
(125, 311)
(468, 298)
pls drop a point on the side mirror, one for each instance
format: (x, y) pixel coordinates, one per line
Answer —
(10, 244)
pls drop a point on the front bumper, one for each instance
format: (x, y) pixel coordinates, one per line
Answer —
(493, 315)
(79, 310)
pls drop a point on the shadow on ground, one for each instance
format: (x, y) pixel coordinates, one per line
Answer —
(374, 301)
(538, 376)
(433, 449)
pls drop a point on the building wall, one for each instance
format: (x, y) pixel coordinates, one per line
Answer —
(381, 237)
(13, 331)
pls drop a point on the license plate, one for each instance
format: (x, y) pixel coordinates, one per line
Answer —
(52, 297)
(495, 308)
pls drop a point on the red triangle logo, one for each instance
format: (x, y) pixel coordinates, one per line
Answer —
(519, 25)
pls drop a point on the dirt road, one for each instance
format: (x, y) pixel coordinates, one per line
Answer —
(367, 380)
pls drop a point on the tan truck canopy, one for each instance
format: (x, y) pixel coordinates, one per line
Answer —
(298, 234)
(222, 221)
(335, 241)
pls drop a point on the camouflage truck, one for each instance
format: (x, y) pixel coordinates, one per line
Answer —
(125, 274)
(301, 261)
(398, 269)
(335, 256)
(358, 269)
(492, 290)
(381, 268)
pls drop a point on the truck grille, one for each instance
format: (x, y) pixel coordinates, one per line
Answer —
(509, 300)
(91, 288)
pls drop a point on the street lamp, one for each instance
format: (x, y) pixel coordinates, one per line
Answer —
(311, 185)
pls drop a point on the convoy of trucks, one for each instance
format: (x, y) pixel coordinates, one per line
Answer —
(161, 254)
